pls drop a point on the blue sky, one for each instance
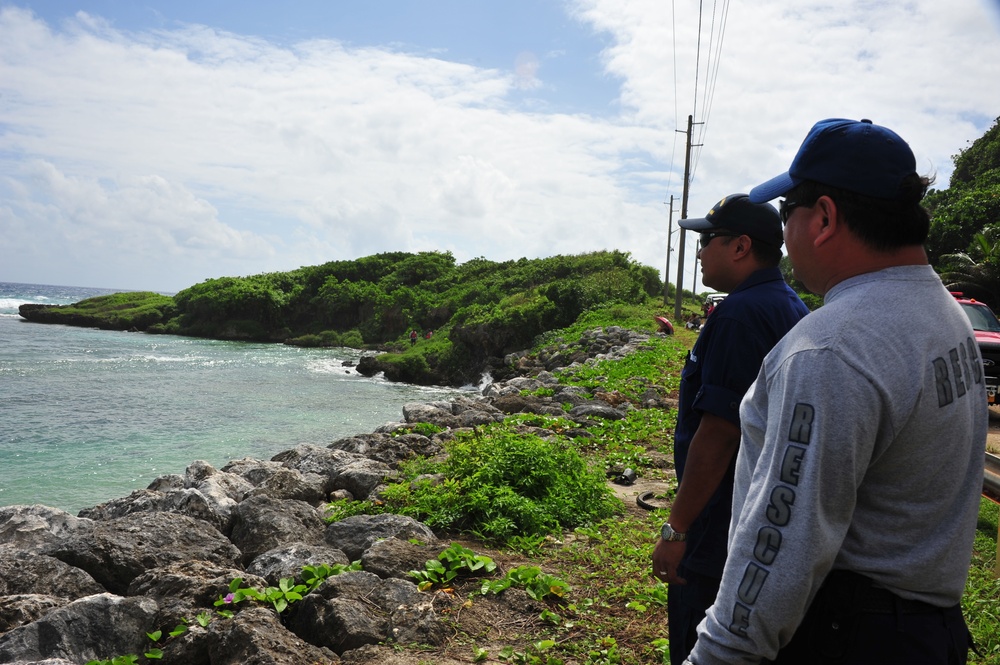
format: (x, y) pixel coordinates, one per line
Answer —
(152, 145)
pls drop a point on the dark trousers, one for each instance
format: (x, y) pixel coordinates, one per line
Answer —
(853, 623)
(686, 607)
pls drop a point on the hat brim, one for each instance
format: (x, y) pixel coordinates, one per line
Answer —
(772, 189)
(697, 224)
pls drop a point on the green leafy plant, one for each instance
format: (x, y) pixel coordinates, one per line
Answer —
(530, 545)
(538, 585)
(453, 561)
(313, 576)
(279, 597)
(118, 660)
(661, 646)
(426, 429)
(501, 482)
(654, 595)
(533, 655)
(344, 508)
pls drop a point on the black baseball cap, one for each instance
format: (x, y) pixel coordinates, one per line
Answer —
(736, 213)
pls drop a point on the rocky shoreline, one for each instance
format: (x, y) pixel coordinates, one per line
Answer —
(91, 586)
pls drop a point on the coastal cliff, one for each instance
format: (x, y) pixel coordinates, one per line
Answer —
(430, 320)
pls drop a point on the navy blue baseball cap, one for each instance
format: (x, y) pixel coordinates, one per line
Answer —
(854, 155)
(738, 214)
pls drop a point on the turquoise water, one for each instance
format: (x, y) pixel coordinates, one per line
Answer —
(88, 415)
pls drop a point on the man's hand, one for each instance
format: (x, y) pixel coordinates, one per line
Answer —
(667, 557)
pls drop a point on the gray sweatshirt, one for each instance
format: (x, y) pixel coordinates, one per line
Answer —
(862, 448)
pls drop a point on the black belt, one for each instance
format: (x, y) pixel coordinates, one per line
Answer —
(865, 597)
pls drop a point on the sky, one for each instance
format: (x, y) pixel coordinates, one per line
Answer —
(154, 144)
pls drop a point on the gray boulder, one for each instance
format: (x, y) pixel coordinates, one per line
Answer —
(361, 477)
(390, 450)
(184, 501)
(341, 470)
(396, 557)
(33, 529)
(335, 614)
(262, 523)
(20, 609)
(436, 413)
(287, 483)
(596, 409)
(117, 551)
(183, 589)
(256, 636)
(95, 627)
(252, 470)
(287, 561)
(354, 535)
(23, 573)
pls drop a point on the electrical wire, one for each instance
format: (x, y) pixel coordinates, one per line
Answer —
(712, 73)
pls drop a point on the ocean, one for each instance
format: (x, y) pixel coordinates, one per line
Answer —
(89, 415)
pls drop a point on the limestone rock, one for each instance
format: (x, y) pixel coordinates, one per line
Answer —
(256, 637)
(117, 551)
(287, 561)
(356, 534)
(262, 523)
(35, 528)
(23, 573)
(95, 627)
(396, 557)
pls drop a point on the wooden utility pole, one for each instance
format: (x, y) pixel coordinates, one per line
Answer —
(684, 208)
(666, 273)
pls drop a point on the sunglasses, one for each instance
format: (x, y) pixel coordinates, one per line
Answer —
(707, 237)
(786, 207)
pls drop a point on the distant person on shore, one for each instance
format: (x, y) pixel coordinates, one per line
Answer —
(861, 460)
(413, 337)
(740, 248)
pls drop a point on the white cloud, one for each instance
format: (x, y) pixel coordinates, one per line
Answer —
(160, 158)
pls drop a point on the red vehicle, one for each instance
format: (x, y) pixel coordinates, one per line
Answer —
(987, 328)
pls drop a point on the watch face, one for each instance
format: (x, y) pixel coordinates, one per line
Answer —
(667, 533)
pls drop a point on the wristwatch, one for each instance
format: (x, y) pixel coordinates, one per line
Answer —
(667, 533)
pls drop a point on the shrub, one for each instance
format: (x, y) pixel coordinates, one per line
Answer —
(501, 483)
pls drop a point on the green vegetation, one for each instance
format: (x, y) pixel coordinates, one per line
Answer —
(478, 311)
(981, 602)
(449, 564)
(502, 482)
(134, 310)
(602, 605)
(964, 242)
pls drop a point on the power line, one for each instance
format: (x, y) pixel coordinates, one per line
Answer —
(714, 63)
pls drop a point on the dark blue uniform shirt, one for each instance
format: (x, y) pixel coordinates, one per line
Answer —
(725, 360)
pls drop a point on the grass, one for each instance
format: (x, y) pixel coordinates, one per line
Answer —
(981, 602)
(614, 611)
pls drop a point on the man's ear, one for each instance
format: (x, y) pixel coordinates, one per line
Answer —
(825, 219)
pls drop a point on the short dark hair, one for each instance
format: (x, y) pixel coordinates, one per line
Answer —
(883, 225)
(766, 255)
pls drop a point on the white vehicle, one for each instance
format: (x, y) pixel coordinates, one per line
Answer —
(713, 299)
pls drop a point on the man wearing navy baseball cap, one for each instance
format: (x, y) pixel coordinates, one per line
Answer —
(740, 249)
(861, 454)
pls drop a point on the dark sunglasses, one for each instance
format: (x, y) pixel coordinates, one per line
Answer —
(707, 237)
(786, 207)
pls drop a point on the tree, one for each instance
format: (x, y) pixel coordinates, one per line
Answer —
(971, 204)
(976, 274)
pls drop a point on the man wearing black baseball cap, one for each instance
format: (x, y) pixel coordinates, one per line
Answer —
(861, 458)
(740, 248)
